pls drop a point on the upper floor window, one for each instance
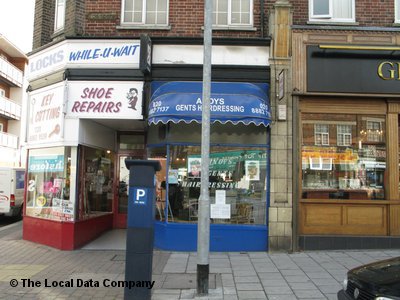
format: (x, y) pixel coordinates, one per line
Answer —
(332, 10)
(59, 18)
(232, 13)
(344, 135)
(145, 12)
(321, 134)
(397, 11)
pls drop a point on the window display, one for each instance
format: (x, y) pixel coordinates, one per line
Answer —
(48, 191)
(350, 163)
(237, 181)
(96, 184)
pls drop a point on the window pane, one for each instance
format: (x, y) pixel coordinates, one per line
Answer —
(235, 18)
(237, 184)
(342, 9)
(321, 7)
(128, 5)
(245, 18)
(151, 5)
(162, 5)
(138, 5)
(162, 18)
(128, 17)
(235, 6)
(352, 168)
(49, 178)
(137, 17)
(223, 5)
(151, 18)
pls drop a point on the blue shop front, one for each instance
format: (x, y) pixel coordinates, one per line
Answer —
(239, 163)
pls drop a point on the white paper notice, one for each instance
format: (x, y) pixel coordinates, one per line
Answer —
(220, 197)
(220, 211)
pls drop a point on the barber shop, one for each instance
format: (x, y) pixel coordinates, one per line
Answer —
(97, 105)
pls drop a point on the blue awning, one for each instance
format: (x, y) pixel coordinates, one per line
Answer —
(234, 102)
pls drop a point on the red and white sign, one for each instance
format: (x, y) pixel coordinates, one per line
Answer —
(105, 100)
(46, 114)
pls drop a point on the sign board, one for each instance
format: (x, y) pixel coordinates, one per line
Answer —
(353, 70)
(140, 196)
(46, 106)
(105, 100)
(85, 53)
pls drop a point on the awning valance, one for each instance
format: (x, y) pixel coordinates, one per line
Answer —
(235, 102)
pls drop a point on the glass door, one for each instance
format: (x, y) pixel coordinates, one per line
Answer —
(130, 146)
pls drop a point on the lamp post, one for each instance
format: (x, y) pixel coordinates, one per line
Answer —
(203, 228)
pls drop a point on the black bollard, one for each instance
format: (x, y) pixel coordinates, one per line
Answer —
(140, 229)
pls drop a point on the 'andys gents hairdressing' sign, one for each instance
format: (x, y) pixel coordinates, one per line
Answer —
(351, 70)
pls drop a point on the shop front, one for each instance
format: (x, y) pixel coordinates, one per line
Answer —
(78, 130)
(348, 147)
(239, 164)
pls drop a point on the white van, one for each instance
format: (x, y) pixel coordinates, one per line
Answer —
(12, 182)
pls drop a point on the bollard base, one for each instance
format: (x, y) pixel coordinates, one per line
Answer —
(203, 272)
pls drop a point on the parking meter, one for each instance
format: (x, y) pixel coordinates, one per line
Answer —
(140, 229)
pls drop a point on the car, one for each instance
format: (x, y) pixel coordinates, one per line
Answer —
(376, 281)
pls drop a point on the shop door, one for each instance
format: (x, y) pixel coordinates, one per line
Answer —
(121, 199)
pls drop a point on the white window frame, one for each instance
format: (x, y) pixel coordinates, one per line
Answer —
(59, 16)
(330, 16)
(230, 24)
(321, 134)
(341, 135)
(143, 22)
(374, 135)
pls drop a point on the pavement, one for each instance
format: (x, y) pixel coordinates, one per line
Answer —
(39, 271)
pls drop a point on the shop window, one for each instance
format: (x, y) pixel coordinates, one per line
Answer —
(354, 169)
(332, 10)
(237, 181)
(343, 135)
(59, 18)
(232, 13)
(96, 182)
(321, 134)
(142, 12)
(48, 191)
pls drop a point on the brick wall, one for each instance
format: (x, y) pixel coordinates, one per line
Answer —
(100, 18)
(43, 23)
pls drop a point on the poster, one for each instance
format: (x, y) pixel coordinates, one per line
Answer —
(194, 166)
(220, 211)
(252, 170)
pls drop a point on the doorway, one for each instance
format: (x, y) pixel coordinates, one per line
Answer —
(130, 145)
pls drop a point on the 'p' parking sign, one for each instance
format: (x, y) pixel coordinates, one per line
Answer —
(140, 196)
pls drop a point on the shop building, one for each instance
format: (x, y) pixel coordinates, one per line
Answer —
(96, 100)
(346, 142)
(12, 87)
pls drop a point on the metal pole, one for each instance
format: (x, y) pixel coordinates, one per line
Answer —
(203, 228)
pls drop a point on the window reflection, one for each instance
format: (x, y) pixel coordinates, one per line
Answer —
(344, 158)
(237, 181)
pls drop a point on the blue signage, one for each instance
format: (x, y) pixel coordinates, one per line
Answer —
(51, 163)
(233, 102)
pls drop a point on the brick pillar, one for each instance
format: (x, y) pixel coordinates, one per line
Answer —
(43, 23)
(281, 204)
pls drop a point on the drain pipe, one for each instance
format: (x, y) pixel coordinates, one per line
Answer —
(262, 17)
